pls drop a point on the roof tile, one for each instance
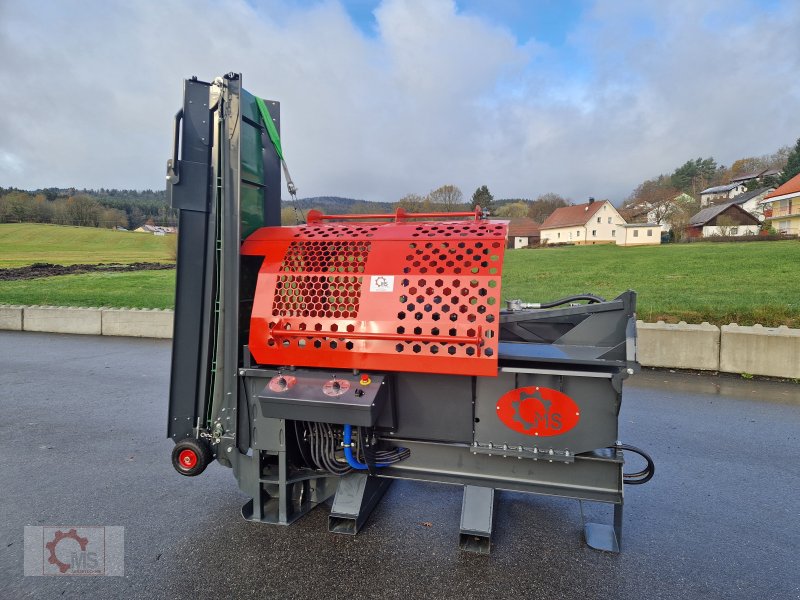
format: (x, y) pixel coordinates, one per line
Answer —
(577, 214)
(790, 187)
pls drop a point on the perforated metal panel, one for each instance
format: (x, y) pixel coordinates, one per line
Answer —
(413, 296)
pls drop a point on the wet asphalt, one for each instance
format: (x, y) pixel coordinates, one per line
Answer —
(82, 441)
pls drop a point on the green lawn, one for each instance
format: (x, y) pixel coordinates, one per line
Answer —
(746, 282)
(138, 289)
(752, 282)
(25, 243)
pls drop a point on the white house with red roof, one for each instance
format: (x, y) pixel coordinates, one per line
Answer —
(596, 223)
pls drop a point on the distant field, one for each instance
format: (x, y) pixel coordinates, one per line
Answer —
(752, 282)
(26, 243)
(746, 282)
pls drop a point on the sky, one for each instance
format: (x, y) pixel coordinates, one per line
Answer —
(380, 99)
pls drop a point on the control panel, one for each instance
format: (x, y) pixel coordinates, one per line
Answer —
(341, 397)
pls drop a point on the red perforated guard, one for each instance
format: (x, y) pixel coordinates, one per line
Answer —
(413, 296)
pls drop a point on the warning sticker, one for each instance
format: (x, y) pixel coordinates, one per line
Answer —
(381, 283)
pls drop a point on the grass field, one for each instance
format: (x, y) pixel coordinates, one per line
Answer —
(753, 282)
(25, 243)
(745, 282)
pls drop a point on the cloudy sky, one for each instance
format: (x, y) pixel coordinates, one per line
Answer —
(384, 98)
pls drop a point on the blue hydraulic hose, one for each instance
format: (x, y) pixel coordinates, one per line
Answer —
(348, 451)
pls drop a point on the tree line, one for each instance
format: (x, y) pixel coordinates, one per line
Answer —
(88, 208)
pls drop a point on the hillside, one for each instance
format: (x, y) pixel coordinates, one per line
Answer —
(25, 243)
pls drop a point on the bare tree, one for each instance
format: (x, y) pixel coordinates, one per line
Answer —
(447, 197)
(411, 203)
(726, 224)
(545, 205)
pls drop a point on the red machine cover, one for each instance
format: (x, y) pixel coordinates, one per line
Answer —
(397, 296)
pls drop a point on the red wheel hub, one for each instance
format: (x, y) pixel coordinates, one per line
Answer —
(187, 459)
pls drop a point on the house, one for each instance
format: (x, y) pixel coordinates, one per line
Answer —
(657, 212)
(639, 234)
(592, 223)
(782, 207)
(751, 201)
(745, 177)
(156, 229)
(721, 192)
(523, 233)
(728, 219)
(756, 175)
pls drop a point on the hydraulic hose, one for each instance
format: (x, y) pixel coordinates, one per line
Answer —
(645, 474)
(348, 451)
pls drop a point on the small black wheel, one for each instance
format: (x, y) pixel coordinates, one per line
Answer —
(190, 457)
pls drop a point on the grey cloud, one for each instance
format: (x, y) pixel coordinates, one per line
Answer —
(435, 97)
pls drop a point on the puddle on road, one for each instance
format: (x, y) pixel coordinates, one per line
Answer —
(722, 384)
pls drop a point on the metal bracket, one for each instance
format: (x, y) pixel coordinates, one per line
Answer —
(601, 536)
(356, 497)
(477, 510)
(506, 451)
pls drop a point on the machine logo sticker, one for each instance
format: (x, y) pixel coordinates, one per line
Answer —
(538, 411)
(381, 283)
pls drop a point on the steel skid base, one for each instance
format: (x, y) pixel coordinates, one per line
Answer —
(607, 538)
(356, 495)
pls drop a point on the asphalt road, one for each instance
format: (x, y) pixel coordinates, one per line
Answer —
(82, 441)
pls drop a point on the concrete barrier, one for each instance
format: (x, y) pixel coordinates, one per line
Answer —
(758, 350)
(62, 319)
(680, 346)
(773, 352)
(10, 317)
(150, 323)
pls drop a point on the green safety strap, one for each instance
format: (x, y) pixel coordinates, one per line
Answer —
(272, 132)
(270, 125)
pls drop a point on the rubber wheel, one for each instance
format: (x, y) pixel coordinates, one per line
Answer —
(190, 457)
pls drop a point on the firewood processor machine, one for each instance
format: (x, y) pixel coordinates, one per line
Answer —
(326, 359)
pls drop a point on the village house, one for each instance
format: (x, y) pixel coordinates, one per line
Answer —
(639, 234)
(156, 229)
(728, 219)
(751, 201)
(782, 207)
(721, 192)
(755, 175)
(523, 233)
(595, 223)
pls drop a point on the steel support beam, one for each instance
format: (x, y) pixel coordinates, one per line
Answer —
(356, 497)
(477, 510)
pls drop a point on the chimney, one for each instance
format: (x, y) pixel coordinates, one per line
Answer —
(591, 200)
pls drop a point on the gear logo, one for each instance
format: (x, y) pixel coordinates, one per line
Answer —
(381, 283)
(538, 411)
(53, 544)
